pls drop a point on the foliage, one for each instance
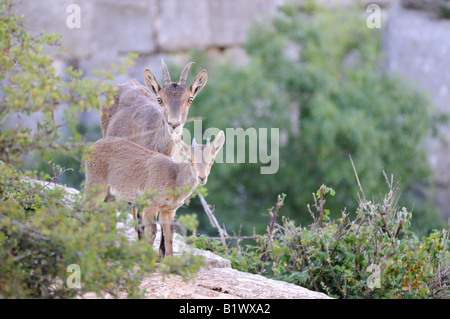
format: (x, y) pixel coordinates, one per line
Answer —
(189, 222)
(317, 76)
(32, 128)
(31, 87)
(374, 255)
(44, 229)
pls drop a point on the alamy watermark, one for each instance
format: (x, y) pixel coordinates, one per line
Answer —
(243, 146)
(374, 18)
(74, 279)
(374, 280)
(73, 21)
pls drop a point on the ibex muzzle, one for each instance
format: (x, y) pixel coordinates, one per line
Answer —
(175, 98)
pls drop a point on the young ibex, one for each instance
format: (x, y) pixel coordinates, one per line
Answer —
(150, 117)
(128, 171)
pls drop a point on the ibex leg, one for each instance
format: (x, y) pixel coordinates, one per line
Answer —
(150, 213)
(167, 217)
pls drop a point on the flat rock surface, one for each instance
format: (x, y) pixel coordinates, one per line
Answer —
(225, 283)
(216, 280)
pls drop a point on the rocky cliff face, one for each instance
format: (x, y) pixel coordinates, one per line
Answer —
(417, 45)
(110, 29)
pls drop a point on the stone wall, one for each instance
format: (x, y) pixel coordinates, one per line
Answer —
(417, 46)
(110, 29)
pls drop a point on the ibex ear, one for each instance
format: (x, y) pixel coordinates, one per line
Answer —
(151, 82)
(199, 83)
(218, 142)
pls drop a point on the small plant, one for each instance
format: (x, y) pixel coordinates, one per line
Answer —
(189, 222)
(373, 255)
(339, 257)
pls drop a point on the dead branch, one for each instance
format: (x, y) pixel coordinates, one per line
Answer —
(212, 219)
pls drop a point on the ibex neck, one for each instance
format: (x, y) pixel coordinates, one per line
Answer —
(167, 139)
(186, 177)
(158, 139)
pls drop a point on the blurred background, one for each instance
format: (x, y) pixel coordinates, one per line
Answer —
(318, 70)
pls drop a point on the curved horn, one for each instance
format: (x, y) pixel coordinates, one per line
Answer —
(166, 74)
(183, 76)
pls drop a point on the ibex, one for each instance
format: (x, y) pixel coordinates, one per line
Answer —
(150, 117)
(128, 171)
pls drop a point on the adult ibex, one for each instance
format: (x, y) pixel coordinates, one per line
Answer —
(150, 117)
(118, 168)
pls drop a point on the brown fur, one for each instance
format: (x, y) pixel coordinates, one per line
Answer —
(129, 94)
(136, 114)
(128, 171)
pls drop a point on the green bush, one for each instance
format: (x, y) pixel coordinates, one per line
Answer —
(374, 255)
(31, 87)
(318, 76)
(44, 231)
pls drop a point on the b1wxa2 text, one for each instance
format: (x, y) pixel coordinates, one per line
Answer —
(226, 309)
(246, 308)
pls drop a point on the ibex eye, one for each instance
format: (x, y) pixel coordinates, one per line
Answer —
(159, 100)
(190, 100)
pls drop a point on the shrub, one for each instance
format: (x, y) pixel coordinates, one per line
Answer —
(374, 255)
(44, 230)
(46, 234)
